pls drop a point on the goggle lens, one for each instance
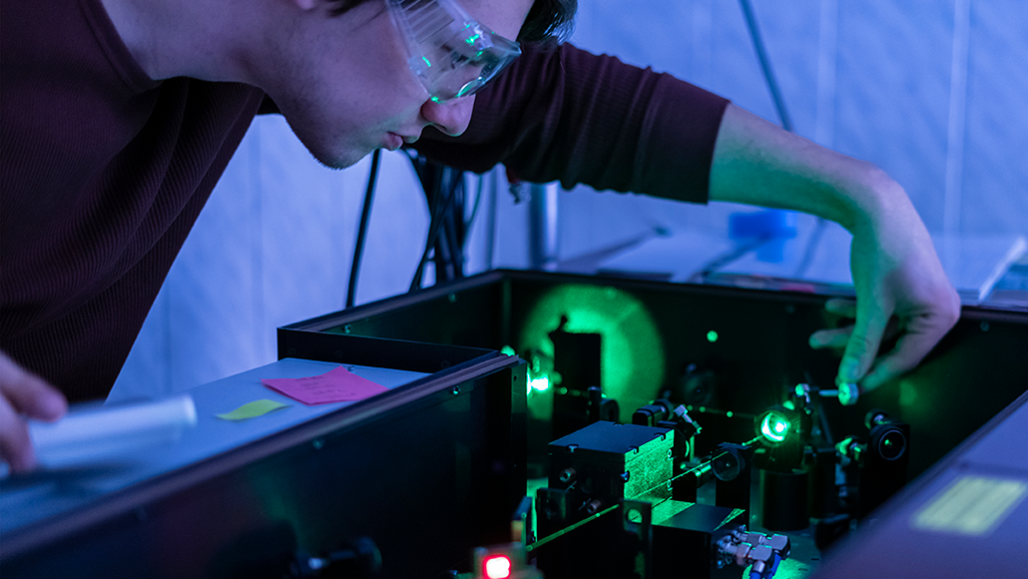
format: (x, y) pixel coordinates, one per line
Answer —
(451, 54)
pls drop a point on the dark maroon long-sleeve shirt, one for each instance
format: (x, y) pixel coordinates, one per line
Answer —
(103, 171)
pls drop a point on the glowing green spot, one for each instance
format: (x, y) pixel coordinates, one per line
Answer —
(848, 393)
(508, 351)
(472, 39)
(789, 404)
(428, 62)
(729, 414)
(774, 427)
(712, 336)
(541, 384)
(800, 391)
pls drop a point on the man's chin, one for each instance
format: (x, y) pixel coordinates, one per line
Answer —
(333, 157)
(339, 159)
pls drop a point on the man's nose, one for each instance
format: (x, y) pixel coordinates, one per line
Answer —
(450, 118)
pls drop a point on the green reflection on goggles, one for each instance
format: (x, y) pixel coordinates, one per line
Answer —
(452, 54)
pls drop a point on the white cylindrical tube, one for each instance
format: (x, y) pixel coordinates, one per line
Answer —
(104, 432)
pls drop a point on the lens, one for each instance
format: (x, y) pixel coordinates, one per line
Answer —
(892, 445)
(774, 427)
(451, 54)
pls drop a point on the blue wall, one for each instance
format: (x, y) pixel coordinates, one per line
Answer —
(933, 91)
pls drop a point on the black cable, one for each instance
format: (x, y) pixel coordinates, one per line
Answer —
(439, 240)
(351, 289)
(783, 115)
(723, 259)
(470, 223)
(434, 228)
(453, 234)
(765, 64)
(444, 189)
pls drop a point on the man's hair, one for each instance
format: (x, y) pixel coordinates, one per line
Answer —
(546, 21)
(549, 19)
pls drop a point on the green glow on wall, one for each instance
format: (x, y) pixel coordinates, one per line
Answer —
(632, 356)
(712, 336)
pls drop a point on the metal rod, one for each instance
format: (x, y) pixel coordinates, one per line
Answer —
(765, 64)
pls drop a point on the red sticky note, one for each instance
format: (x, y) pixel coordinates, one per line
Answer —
(333, 386)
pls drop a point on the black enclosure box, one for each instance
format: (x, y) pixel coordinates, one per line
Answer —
(732, 351)
(427, 471)
(616, 461)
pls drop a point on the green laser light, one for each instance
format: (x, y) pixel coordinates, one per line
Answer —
(540, 384)
(774, 427)
(712, 336)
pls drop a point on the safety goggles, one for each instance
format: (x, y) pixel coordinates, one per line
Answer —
(452, 55)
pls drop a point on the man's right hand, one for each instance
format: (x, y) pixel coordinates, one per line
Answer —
(23, 395)
(896, 272)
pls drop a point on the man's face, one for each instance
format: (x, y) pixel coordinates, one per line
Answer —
(345, 87)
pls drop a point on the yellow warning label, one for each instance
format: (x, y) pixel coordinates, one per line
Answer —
(971, 505)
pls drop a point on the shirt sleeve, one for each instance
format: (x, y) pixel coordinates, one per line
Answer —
(565, 114)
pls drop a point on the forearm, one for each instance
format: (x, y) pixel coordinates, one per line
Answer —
(757, 163)
(896, 273)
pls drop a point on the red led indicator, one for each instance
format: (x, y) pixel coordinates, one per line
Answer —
(497, 567)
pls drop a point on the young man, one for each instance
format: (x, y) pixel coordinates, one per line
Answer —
(118, 117)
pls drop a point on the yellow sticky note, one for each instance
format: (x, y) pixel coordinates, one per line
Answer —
(252, 410)
(972, 506)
